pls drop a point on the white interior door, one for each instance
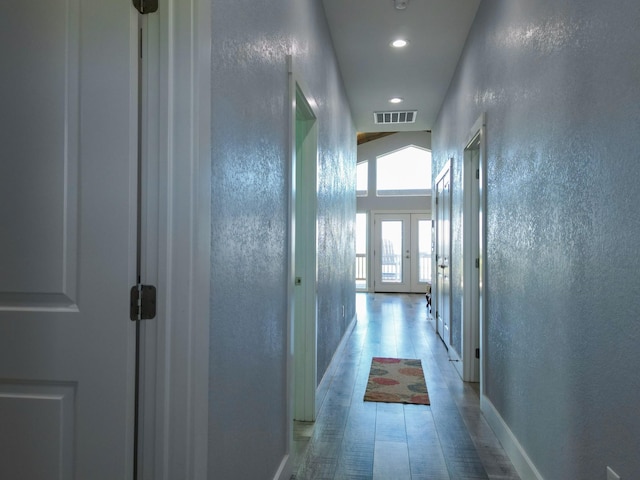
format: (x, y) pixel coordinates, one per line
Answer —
(443, 255)
(68, 241)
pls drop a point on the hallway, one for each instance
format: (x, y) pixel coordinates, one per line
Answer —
(353, 439)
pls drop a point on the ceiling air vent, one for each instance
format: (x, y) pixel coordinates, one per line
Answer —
(408, 116)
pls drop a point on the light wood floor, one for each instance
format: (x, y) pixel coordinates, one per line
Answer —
(352, 439)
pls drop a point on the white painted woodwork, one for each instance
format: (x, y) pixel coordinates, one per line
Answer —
(67, 248)
(470, 318)
(176, 238)
(305, 323)
(407, 254)
(443, 250)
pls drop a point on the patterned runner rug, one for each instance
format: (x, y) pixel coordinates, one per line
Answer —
(396, 380)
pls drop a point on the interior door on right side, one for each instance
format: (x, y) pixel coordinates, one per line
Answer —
(443, 255)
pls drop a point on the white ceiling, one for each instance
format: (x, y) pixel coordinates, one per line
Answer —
(420, 73)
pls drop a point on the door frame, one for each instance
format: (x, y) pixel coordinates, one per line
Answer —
(437, 207)
(473, 176)
(176, 233)
(305, 259)
(301, 365)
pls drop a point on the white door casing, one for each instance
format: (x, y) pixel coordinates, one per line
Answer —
(301, 296)
(470, 318)
(68, 243)
(176, 239)
(305, 323)
(443, 253)
(473, 254)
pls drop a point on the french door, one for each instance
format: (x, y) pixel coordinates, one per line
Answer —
(402, 252)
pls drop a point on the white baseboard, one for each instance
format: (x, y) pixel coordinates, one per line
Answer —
(285, 470)
(518, 456)
(456, 360)
(323, 386)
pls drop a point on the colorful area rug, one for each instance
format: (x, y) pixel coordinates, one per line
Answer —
(396, 380)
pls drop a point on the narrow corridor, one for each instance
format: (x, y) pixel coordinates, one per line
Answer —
(353, 439)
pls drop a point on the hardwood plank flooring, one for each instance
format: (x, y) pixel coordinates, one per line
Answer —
(357, 440)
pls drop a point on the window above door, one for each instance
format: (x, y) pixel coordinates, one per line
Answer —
(404, 172)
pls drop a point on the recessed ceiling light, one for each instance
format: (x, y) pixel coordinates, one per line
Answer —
(399, 43)
(395, 100)
(400, 4)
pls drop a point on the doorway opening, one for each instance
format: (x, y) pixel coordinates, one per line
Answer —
(473, 271)
(304, 200)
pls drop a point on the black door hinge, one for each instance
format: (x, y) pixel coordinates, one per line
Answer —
(142, 302)
(477, 353)
(146, 6)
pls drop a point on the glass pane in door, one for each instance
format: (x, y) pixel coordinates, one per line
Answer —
(424, 251)
(391, 258)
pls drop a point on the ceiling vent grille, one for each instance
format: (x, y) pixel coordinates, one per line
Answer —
(385, 118)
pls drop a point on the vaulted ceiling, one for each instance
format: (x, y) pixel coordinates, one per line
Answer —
(419, 73)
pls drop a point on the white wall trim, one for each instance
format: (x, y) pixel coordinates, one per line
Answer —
(446, 170)
(303, 246)
(516, 453)
(291, 259)
(181, 334)
(481, 126)
(327, 378)
(200, 16)
(285, 469)
(457, 362)
(471, 231)
(296, 85)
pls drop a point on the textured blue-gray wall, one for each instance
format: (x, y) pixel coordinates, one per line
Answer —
(250, 165)
(559, 81)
